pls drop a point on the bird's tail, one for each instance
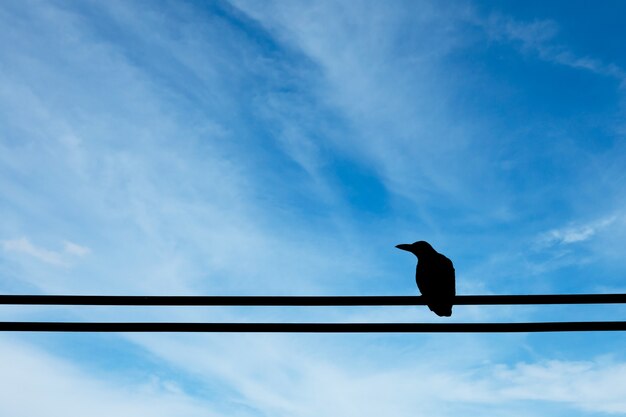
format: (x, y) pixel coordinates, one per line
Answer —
(441, 310)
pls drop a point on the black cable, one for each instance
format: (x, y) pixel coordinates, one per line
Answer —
(114, 300)
(315, 327)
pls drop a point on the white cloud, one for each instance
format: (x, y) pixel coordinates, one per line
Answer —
(75, 249)
(394, 104)
(171, 189)
(36, 383)
(538, 37)
(575, 233)
(24, 246)
(311, 375)
(306, 376)
(578, 243)
(595, 386)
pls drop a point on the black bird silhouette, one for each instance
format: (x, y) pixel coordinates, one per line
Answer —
(434, 275)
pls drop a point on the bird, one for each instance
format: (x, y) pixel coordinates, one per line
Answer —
(434, 276)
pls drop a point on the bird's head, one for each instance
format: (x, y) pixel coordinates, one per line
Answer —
(418, 248)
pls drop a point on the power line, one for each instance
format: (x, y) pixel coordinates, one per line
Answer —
(108, 300)
(314, 327)
(133, 300)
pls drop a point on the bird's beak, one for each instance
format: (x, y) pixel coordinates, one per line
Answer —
(404, 246)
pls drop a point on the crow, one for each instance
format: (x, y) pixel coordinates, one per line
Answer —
(434, 275)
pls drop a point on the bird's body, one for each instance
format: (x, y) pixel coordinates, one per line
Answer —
(434, 276)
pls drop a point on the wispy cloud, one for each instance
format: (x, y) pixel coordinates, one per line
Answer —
(61, 389)
(24, 246)
(575, 233)
(539, 37)
(261, 375)
(75, 249)
(393, 105)
(593, 386)
(206, 148)
(284, 376)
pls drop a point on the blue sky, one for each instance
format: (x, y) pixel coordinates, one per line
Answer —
(284, 148)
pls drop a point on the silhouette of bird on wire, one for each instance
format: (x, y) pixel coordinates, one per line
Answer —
(434, 275)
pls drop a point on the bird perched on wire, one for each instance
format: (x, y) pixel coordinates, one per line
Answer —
(434, 275)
